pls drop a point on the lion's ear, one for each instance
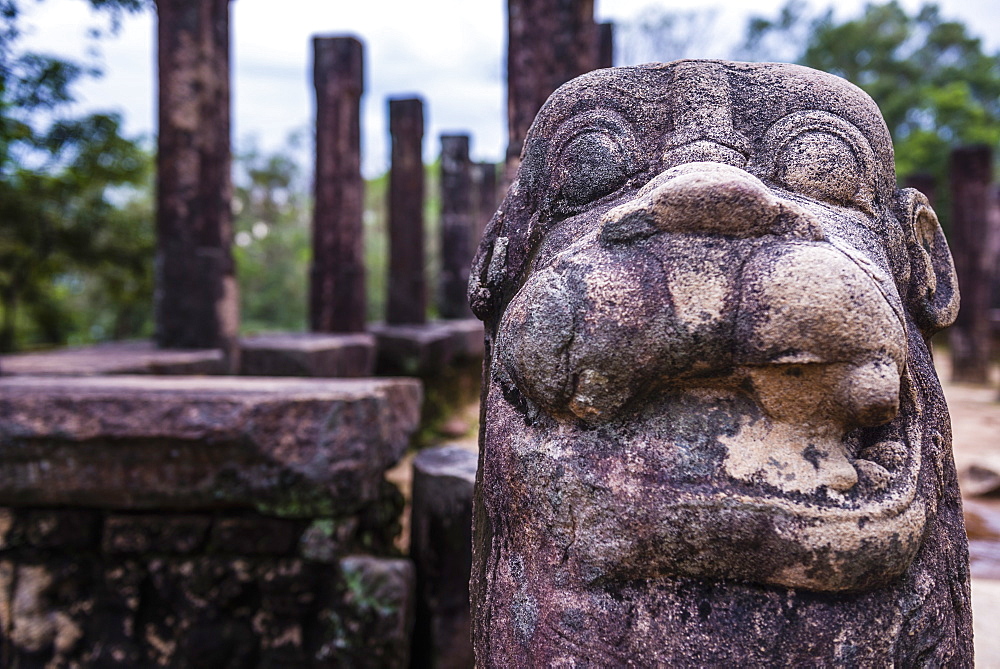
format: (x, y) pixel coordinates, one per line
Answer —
(932, 297)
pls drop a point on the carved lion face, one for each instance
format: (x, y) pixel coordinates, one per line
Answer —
(707, 306)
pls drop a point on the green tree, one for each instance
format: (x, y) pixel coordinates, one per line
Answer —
(272, 240)
(935, 85)
(62, 182)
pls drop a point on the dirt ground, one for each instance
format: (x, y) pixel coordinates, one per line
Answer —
(975, 417)
(975, 422)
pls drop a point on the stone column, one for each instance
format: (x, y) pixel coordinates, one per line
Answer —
(970, 171)
(925, 183)
(407, 298)
(548, 43)
(484, 179)
(456, 226)
(605, 45)
(196, 300)
(441, 548)
(337, 278)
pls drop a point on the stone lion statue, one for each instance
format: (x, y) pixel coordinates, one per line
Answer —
(712, 432)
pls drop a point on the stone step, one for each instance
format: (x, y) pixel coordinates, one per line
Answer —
(284, 447)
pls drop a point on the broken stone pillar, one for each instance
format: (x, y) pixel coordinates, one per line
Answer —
(196, 300)
(337, 278)
(216, 522)
(712, 432)
(456, 226)
(441, 548)
(548, 43)
(407, 298)
(925, 183)
(605, 44)
(970, 172)
(484, 179)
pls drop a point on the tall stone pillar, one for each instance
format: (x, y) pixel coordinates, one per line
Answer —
(196, 299)
(925, 183)
(970, 172)
(337, 277)
(548, 43)
(484, 180)
(605, 45)
(407, 298)
(456, 226)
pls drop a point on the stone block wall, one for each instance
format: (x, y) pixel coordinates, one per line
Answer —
(203, 523)
(89, 588)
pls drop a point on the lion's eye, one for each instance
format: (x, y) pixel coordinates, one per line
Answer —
(591, 165)
(818, 155)
(820, 165)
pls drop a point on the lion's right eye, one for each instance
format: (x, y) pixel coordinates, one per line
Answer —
(591, 165)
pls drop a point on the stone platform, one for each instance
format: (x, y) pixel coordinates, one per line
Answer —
(446, 355)
(215, 521)
(127, 357)
(308, 354)
(289, 447)
(419, 350)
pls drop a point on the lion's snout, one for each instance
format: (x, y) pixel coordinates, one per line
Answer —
(703, 276)
(706, 198)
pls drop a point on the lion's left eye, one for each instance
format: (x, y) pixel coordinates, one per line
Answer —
(819, 165)
(591, 165)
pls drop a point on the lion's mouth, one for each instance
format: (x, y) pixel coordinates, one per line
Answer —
(661, 499)
(732, 372)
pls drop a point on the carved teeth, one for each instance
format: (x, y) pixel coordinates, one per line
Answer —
(877, 476)
(890, 455)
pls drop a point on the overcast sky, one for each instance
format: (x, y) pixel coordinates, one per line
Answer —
(450, 52)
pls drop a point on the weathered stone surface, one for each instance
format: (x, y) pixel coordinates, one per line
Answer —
(308, 354)
(48, 528)
(127, 357)
(712, 432)
(371, 624)
(252, 535)
(337, 276)
(145, 533)
(441, 548)
(197, 301)
(218, 589)
(288, 447)
(605, 45)
(205, 612)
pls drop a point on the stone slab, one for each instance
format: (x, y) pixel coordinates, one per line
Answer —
(308, 354)
(285, 447)
(426, 348)
(126, 357)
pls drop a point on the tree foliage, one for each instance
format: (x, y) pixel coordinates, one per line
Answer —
(67, 226)
(272, 238)
(934, 83)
